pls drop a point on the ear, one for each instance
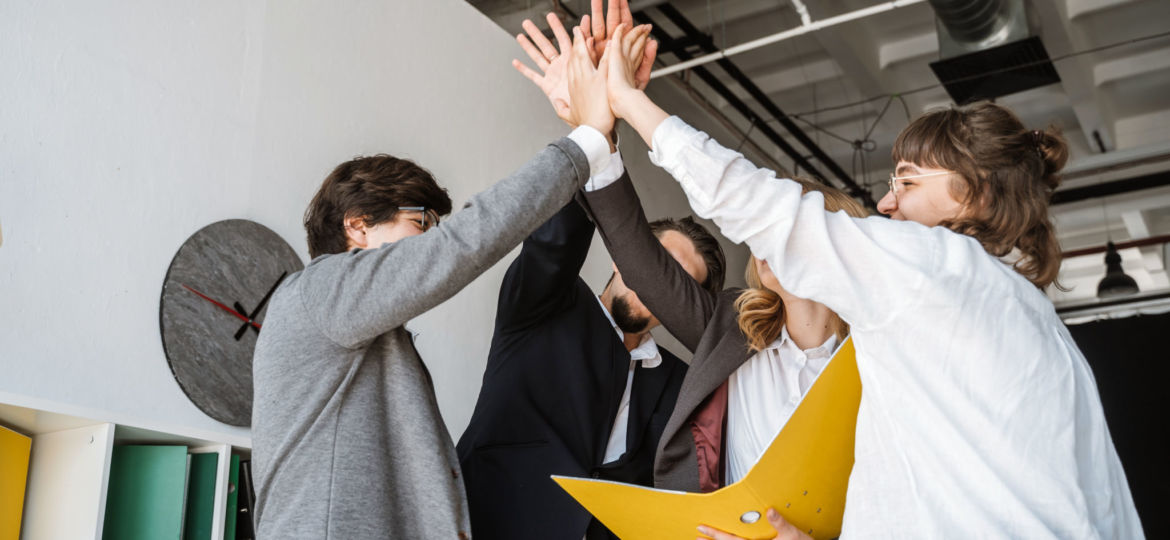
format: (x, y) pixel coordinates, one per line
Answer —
(355, 232)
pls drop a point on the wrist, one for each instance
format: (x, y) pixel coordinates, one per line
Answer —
(625, 101)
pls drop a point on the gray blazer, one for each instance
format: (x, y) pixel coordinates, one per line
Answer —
(704, 322)
(348, 442)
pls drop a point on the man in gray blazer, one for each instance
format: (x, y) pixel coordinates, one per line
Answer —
(348, 439)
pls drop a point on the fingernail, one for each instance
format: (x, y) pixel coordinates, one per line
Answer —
(773, 514)
(705, 530)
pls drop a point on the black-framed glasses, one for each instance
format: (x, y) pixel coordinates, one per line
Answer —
(894, 180)
(429, 219)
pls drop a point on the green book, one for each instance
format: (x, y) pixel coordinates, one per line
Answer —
(145, 497)
(229, 522)
(201, 496)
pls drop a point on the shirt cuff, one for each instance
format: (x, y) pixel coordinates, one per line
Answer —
(610, 174)
(667, 138)
(594, 145)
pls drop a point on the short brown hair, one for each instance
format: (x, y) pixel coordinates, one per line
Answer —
(1007, 176)
(706, 244)
(372, 188)
(761, 311)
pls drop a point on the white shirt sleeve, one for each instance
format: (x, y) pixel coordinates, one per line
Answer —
(867, 270)
(610, 174)
(594, 145)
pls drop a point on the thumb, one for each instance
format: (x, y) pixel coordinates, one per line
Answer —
(784, 529)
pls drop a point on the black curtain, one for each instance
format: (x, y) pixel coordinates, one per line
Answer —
(1131, 360)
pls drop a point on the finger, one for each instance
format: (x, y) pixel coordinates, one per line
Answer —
(642, 77)
(546, 46)
(626, 16)
(589, 46)
(585, 26)
(717, 534)
(784, 529)
(639, 46)
(558, 28)
(527, 72)
(533, 52)
(614, 17)
(598, 20)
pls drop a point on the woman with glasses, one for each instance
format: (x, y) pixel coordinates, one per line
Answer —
(979, 415)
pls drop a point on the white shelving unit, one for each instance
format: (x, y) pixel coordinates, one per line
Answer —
(69, 466)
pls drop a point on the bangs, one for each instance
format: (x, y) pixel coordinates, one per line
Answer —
(931, 141)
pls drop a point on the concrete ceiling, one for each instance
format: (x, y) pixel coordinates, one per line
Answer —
(1119, 94)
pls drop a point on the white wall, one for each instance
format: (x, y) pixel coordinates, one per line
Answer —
(128, 126)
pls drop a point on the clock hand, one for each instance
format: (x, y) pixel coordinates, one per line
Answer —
(221, 306)
(260, 306)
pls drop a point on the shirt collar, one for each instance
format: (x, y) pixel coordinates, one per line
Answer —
(647, 351)
(824, 349)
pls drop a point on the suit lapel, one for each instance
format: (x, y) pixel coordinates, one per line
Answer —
(708, 370)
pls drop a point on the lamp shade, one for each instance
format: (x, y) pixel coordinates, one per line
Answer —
(1116, 282)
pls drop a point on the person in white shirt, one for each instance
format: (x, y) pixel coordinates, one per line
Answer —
(979, 415)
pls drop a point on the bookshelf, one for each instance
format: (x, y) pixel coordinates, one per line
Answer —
(69, 463)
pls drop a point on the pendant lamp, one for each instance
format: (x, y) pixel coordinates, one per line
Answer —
(1116, 282)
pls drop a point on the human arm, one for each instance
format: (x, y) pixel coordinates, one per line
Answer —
(864, 269)
(356, 296)
(540, 281)
(680, 303)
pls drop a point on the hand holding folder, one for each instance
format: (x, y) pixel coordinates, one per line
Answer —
(803, 475)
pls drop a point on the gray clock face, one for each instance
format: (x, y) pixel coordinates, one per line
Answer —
(212, 309)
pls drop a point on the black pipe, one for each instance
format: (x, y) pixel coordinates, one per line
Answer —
(708, 46)
(1115, 187)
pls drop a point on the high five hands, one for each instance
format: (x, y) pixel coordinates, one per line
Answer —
(595, 33)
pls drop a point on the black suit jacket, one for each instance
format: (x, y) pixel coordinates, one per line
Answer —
(555, 375)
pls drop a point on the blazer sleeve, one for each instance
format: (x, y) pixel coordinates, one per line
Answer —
(679, 302)
(356, 296)
(541, 280)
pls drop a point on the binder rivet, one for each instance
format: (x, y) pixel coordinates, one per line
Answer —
(750, 517)
(789, 505)
(806, 492)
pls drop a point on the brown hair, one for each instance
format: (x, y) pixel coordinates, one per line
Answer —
(704, 243)
(1006, 176)
(761, 311)
(372, 188)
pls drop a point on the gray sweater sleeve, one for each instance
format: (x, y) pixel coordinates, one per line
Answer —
(356, 296)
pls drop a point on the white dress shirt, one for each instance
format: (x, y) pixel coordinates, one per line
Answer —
(979, 416)
(646, 353)
(763, 393)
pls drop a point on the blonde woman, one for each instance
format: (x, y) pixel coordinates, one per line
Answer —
(756, 350)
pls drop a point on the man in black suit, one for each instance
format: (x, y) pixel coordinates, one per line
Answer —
(575, 384)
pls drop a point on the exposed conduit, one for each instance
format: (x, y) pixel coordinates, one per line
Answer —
(781, 36)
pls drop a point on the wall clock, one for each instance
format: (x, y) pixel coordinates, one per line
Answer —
(212, 309)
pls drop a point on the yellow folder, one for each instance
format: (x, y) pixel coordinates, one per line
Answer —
(803, 475)
(14, 454)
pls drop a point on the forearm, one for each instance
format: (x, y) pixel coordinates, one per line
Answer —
(672, 295)
(372, 291)
(640, 113)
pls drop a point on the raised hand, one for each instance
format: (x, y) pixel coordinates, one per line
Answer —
(553, 78)
(624, 60)
(602, 27)
(587, 87)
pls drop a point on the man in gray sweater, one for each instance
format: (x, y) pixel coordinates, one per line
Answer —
(348, 439)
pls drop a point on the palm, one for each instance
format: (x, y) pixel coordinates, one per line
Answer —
(555, 82)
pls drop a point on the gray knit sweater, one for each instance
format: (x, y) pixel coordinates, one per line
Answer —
(347, 438)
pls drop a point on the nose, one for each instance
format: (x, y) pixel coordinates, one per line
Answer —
(888, 204)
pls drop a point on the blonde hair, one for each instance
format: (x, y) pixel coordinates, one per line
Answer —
(761, 311)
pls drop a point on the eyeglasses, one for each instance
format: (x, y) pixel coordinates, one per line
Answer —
(894, 180)
(430, 218)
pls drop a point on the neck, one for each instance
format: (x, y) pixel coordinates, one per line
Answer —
(809, 324)
(631, 341)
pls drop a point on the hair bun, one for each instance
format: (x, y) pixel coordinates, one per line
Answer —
(1053, 152)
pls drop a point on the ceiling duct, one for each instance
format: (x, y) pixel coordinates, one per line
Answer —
(987, 49)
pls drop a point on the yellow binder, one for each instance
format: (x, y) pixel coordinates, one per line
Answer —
(803, 475)
(14, 454)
